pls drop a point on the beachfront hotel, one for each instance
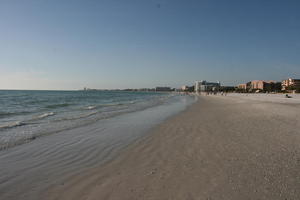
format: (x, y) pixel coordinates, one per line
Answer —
(291, 84)
(265, 85)
(205, 86)
(260, 85)
(184, 88)
(243, 86)
(288, 85)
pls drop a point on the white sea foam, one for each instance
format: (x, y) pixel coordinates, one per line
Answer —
(11, 124)
(44, 120)
(42, 116)
(91, 107)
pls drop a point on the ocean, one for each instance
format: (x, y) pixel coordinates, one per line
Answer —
(48, 136)
(27, 115)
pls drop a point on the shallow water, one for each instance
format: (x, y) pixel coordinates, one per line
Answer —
(26, 115)
(28, 169)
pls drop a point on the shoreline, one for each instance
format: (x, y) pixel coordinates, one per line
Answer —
(28, 169)
(19, 127)
(219, 148)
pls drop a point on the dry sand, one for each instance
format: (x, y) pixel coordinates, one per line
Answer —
(219, 148)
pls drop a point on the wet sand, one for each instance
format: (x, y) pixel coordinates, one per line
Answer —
(27, 170)
(219, 148)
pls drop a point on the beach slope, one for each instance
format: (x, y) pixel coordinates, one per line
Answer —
(219, 148)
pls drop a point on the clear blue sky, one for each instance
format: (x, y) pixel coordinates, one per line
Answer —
(59, 44)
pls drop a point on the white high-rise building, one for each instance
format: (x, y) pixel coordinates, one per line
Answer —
(197, 86)
(204, 86)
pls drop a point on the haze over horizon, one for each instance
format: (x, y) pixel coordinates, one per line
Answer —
(112, 44)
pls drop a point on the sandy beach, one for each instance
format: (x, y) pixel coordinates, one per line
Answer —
(219, 148)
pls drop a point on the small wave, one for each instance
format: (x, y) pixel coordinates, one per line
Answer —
(91, 107)
(45, 115)
(39, 117)
(12, 124)
(58, 105)
(102, 106)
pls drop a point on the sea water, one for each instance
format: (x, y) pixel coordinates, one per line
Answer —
(27, 115)
(48, 136)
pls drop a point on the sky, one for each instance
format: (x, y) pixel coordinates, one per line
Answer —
(107, 44)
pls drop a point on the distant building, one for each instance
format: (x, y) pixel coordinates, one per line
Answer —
(89, 89)
(242, 86)
(265, 86)
(163, 89)
(227, 88)
(291, 84)
(273, 86)
(197, 86)
(204, 86)
(257, 85)
(184, 88)
(191, 88)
